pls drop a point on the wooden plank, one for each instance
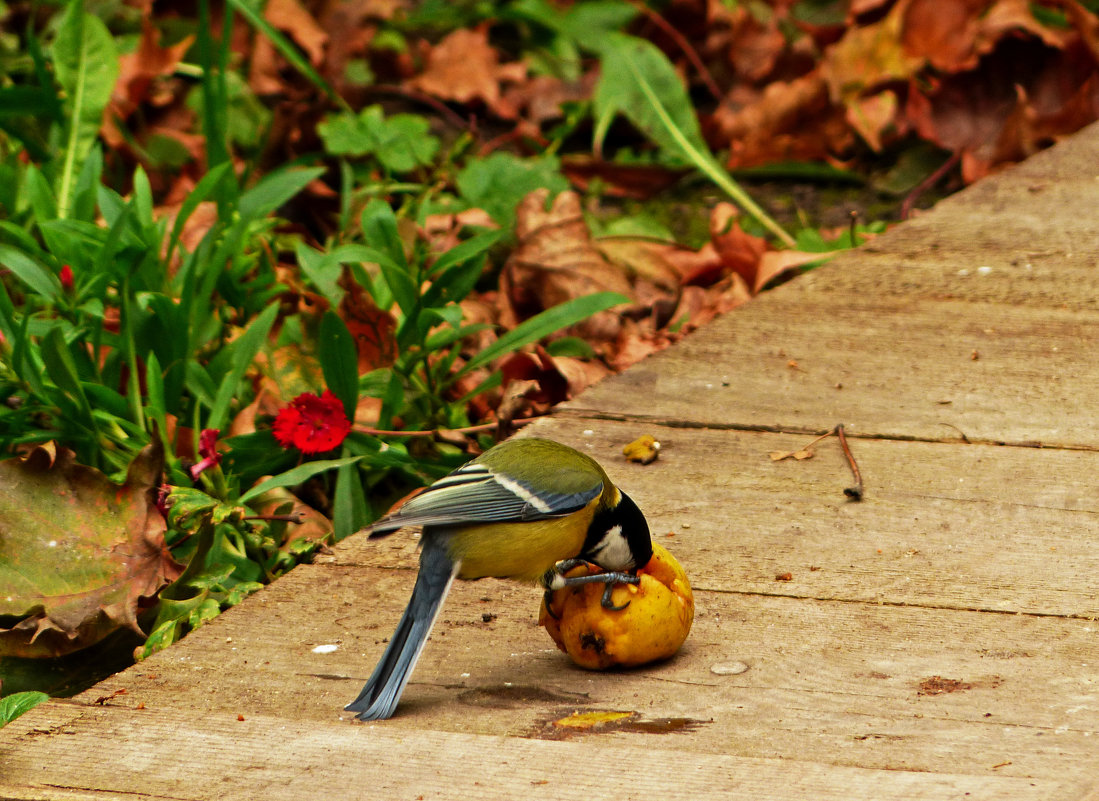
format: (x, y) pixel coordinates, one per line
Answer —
(837, 683)
(948, 525)
(106, 753)
(978, 319)
(886, 367)
(1028, 227)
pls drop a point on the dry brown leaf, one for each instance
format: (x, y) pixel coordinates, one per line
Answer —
(292, 18)
(443, 231)
(556, 260)
(139, 69)
(138, 79)
(698, 305)
(647, 259)
(640, 181)
(580, 373)
(79, 554)
(464, 67)
(373, 329)
(537, 374)
(739, 251)
(788, 120)
(776, 263)
(539, 99)
(943, 33)
(869, 56)
(874, 117)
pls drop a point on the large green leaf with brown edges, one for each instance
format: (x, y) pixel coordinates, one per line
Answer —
(79, 554)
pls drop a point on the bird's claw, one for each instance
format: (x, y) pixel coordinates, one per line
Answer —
(547, 602)
(607, 603)
(555, 580)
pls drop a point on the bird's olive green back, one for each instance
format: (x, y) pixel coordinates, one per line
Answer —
(547, 465)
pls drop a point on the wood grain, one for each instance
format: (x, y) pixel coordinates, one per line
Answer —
(830, 682)
(885, 367)
(102, 753)
(936, 527)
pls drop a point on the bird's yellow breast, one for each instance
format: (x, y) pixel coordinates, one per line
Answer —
(522, 551)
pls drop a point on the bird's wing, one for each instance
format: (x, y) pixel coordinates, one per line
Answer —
(475, 494)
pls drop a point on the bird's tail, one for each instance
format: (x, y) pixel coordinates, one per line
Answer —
(379, 697)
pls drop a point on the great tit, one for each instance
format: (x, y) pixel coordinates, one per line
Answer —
(526, 509)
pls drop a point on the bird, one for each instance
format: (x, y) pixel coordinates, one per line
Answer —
(527, 509)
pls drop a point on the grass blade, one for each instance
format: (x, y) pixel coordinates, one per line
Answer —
(639, 82)
(542, 325)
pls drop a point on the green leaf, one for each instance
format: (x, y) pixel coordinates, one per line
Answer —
(347, 134)
(21, 101)
(387, 251)
(31, 273)
(588, 24)
(273, 190)
(84, 195)
(295, 476)
(379, 225)
(350, 508)
(62, 369)
(574, 347)
(244, 350)
(18, 704)
(542, 325)
(392, 397)
(154, 383)
(497, 183)
(86, 63)
(638, 81)
(40, 195)
(339, 360)
(321, 270)
(403, 143)
(454, 273)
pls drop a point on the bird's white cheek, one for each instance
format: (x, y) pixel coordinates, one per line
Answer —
(613, 551)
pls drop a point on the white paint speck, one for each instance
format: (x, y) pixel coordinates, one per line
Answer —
(984, 269)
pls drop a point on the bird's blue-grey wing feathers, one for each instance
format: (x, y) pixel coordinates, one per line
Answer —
(475, 494)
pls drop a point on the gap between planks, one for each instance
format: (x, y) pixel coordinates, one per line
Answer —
(579, 413)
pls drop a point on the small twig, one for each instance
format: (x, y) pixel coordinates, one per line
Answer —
(853, 215)
(927, 183)
(779, 456)
(961, 433)
(380, 432)
(855, 492)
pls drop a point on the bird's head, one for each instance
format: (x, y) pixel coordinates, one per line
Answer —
(618, 537)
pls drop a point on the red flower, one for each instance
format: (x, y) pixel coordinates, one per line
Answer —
(207, 449)
(66, 278)
(312, 424)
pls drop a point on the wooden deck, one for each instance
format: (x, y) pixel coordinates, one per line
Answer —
(938, 640)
